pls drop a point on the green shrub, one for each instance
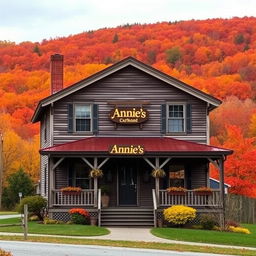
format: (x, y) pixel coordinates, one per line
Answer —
(208, 221)
(76, 218)
(36, 205)
(17, 182)
(179, 214)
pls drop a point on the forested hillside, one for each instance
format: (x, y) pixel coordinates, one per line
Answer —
(217, 56)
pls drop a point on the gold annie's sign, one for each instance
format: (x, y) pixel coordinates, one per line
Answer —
(135, 115)
(127, 150)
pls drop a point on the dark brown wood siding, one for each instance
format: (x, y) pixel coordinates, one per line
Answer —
(198, 174)
(61, 176)
(129, 84)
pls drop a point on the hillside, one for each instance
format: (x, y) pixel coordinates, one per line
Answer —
(217, 56)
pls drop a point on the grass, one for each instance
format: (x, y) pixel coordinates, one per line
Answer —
(54, 229)
(7, 213)
(130, 244)
(208, 236)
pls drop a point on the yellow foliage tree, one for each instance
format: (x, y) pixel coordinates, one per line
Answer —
(19, 153)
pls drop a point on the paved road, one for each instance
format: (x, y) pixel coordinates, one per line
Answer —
(46, 249)
(9, 216)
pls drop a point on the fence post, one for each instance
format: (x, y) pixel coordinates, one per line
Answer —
(25, 224)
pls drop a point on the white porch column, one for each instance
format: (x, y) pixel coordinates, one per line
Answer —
(222, 191)
(157, 180)
(50, 181)
(95, 182)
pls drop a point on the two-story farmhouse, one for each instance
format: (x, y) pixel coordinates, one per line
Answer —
(126, 120)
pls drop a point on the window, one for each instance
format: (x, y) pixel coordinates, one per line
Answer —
(176, 118)
(83, 118)
(177, 176)
(79, 176)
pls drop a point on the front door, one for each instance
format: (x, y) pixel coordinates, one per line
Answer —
(127, 180)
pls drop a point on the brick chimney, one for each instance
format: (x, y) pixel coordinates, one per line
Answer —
(56, 73)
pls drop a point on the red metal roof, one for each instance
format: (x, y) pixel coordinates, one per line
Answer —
(151, 145)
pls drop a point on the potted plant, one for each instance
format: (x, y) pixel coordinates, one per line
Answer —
(104, 195)
(158, 173)
(71, 190)
(202, 191)
(93, 220)
(176, 191)
(96, 173)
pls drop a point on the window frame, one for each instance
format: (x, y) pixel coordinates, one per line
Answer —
(184, 118)
(72, 180)
(91, 117)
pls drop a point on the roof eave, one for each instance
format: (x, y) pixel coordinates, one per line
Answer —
(185, 153)
(36, 115)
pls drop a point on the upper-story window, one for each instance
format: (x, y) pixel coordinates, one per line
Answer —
(176, 118)
(83, 118)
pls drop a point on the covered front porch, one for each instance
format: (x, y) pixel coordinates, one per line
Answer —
(127, 178)
(129, 183)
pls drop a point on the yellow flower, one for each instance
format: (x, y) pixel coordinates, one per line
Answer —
(179, 214)
(239, 230)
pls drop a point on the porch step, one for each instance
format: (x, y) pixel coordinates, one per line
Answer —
(127, 217)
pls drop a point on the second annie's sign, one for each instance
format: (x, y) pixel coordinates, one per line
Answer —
(135, 115)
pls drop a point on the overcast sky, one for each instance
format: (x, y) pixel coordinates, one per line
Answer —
(35, 20)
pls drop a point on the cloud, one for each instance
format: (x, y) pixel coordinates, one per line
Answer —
(38, 19)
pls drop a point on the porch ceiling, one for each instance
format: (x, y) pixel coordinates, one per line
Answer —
(156, 145)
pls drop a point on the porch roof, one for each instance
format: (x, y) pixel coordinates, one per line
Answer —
(156, 145)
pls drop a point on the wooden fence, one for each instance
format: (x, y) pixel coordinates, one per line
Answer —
(240, 208)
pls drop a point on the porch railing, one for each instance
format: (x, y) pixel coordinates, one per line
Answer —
(190, 199)
(85, 198)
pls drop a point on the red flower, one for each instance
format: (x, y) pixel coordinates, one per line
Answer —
(80, 211)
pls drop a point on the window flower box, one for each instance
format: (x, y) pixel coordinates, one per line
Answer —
(179, 191)
(71, 190)
(203, 191)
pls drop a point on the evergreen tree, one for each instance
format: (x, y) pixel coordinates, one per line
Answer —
(115, 38)
(37, 50)
(17, 182)
(173, 55)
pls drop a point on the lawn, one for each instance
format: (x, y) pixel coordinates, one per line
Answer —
(208, 236)
(54, 229)
(132, 244)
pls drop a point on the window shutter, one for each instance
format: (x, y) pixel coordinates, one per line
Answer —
(95, 118)
(163, 118)
(70, 118)
(188, 118)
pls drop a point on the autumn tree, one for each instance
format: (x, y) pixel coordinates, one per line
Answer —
(240, 166)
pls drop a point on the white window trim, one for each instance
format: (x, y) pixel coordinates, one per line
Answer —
(184, 117)
(74, 117)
